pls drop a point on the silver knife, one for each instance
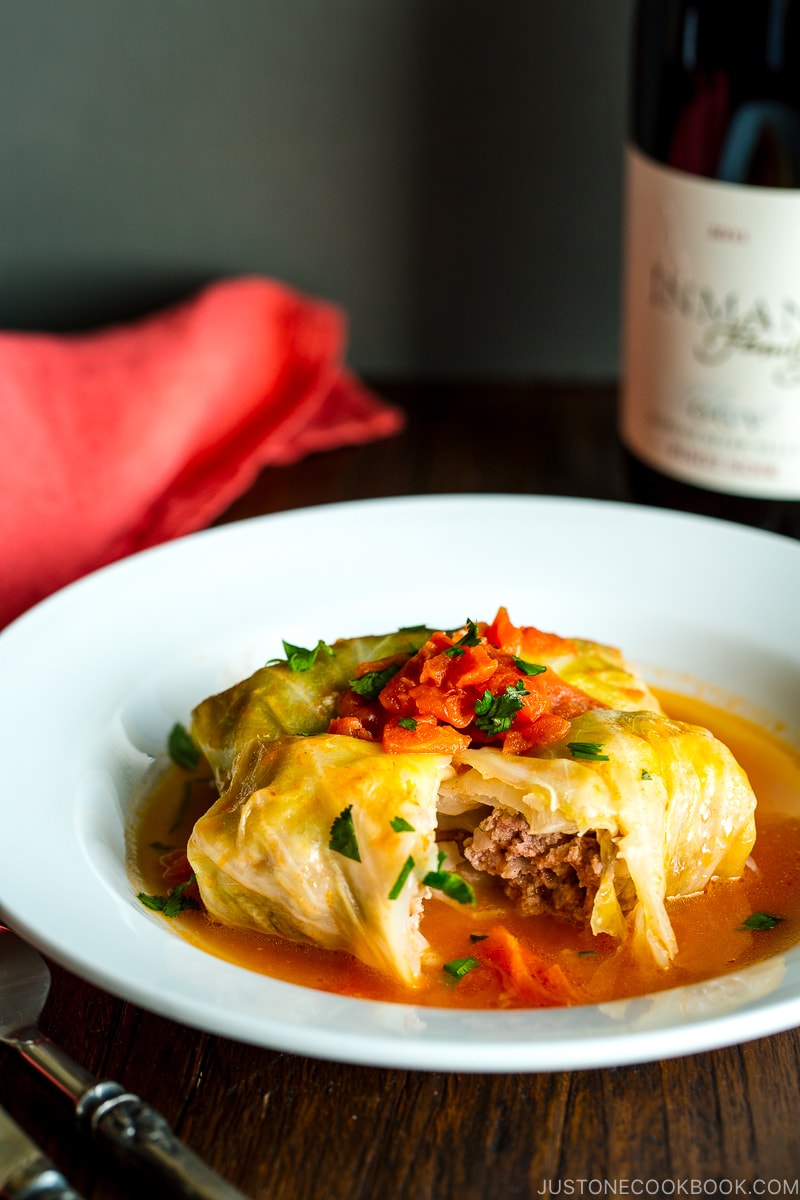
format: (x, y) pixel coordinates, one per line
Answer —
(137, 1134)
(26, 1173)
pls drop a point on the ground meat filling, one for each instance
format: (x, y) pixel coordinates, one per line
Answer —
(553, 873)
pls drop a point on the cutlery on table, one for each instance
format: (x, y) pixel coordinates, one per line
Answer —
(26, 1173)
(137, 1134)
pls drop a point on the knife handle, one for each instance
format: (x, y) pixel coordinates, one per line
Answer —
(26, 1173)
(45, 1184)
(140, 1137)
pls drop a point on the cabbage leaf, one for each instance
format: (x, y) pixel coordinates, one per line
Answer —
(604, 674)
(275, 701)
(264, 859)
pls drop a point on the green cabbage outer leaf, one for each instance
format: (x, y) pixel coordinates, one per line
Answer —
(605, 675)
(671, 807)
(262, 858)
(275, 701)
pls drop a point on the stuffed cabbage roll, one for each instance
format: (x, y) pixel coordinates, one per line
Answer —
(324, 840)
(548, 760)
(628, 810)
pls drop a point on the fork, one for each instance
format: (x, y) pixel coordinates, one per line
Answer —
(138, 1135)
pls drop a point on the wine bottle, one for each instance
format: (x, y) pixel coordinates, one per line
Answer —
(710, 411)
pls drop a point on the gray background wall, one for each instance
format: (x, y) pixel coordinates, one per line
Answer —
(447, 170)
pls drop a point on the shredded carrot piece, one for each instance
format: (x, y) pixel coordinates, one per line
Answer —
(526, 976)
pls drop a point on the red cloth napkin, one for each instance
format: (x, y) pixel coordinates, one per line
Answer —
(117, 440)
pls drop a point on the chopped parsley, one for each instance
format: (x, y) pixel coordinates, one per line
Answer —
(528, 668)
(181, 748)
(407, 723)
(401, 825)
(298, 658)
(343, 835)
(407, 868)
(589, 750)
(176, 902)
(372, 683)
(494, 714)
(451, 885)
(646, 774)
(470, 638)
(459, 967)
(760, 921)
(586, 953)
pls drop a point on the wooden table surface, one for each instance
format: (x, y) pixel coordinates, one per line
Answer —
(290, 1128)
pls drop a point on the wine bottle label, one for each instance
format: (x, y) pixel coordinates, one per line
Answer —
(711, 357)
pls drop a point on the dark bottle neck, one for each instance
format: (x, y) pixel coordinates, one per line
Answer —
(716, 88)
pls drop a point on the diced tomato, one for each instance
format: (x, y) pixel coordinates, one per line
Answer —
(535, 643)
(436, 642)
(440, 689)
(368, 712)
(395, 696)
(428, 700)
(527, 977)
(350, 727)
(525, 641)
(503, 634)
(506, 675)
(452, 706)
(545, 729)
(473, 668)
(428, 736)
(549, 727)
(517, 742)
(434, 669)
(534, 700)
